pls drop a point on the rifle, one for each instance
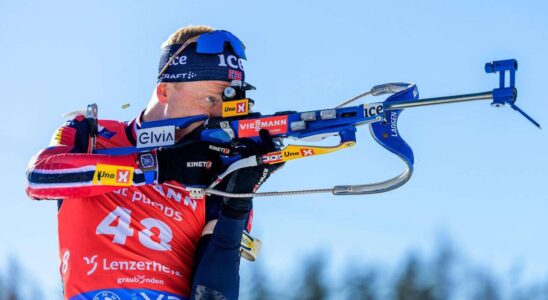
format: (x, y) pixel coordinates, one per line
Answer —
(239, 122)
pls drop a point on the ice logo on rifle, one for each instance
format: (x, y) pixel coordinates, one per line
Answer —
(106, 295)
(373, 109)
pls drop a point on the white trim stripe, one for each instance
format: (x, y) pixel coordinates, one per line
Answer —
(58, 185)
(62, 171)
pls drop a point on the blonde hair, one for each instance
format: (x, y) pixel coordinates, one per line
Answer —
(185, 33)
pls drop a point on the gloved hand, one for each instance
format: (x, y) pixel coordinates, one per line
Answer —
(248, 180)
(191, 163)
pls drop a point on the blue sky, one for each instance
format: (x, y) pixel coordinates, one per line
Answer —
(479, 172)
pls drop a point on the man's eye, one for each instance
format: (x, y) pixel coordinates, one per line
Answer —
(211, 100)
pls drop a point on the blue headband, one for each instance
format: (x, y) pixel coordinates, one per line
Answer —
(192, 66)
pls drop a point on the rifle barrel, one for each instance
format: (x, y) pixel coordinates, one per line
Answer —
(439, 100)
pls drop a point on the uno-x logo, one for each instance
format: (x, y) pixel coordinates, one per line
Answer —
(90, 261)
(307, 152)
(240, 107)
(102, 175)
(123, 176)
(235, 108)
(113, 175)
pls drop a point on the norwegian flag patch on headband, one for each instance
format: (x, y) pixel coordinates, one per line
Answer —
(235, 75)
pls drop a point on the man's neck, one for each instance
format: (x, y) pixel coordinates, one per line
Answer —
(156, 111)
(153, 112)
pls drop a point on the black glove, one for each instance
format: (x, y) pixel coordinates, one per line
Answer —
(189, 163)
(248, 180)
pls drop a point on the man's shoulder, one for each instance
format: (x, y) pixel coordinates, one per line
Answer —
(102, 123)
(109, 133)
(113, 125)
(105, 128)
(115, 133)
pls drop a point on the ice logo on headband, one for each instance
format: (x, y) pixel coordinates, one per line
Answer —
(232, 60)
(179, 60)
(215, 55)
(192, 66)
(229, 60)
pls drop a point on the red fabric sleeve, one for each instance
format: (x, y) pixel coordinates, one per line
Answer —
(64, 170)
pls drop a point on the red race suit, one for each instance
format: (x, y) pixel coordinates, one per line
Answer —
(120, 236)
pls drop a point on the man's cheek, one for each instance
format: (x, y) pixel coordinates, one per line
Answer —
(217, 110)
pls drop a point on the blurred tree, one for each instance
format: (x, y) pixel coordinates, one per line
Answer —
(313, 285)
(484, 286)
(535, 291)
(360, 283)
(36, 292)
(442, 268)
(2, 288)
(15, 286)
(435, 280)
(259, 286)
(410, 285)
(13, 280)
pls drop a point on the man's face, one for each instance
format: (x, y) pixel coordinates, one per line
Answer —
(195, 98)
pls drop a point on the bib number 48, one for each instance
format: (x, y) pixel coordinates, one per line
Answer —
(155, 235)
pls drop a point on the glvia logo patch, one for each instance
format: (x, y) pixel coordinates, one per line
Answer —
(113, 175)
(156, 136)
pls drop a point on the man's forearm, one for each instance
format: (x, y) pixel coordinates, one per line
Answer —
(218, 269)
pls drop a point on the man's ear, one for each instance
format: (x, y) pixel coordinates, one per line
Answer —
(161, 92)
